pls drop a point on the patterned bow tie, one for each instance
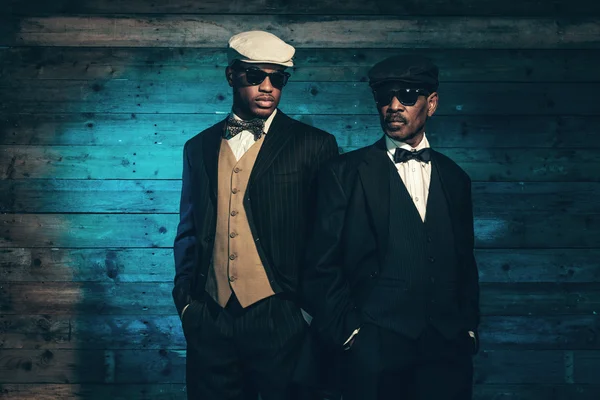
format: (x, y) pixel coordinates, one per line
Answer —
(402, 155)
(235, 126)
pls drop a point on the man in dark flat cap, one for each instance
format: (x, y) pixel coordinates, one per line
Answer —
(391, 278)
(247, 204)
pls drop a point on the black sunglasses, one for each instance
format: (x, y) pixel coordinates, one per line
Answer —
(407, 97)
(255, 76)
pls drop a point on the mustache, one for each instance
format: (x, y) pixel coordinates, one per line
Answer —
(394, 117)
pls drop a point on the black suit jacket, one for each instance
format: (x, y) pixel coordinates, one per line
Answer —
(279, 202)
(349, 243)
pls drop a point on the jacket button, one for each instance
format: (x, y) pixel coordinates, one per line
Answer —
(374, 274)
(235, 190)
(232, 256)
(232, 235)
(236, 170)
(432, 259)
(234, 213)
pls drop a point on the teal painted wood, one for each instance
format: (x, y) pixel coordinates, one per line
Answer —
(165, 162)
(351, 131)
(162, 196)
(49, 96)
(311, 65)
(360, 7)
(168, 366)
(176, 391)
(329, 31)
(141, 298)
(88, 332)
(516, 230)
(110, 265)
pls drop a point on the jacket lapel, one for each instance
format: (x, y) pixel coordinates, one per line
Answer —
(211, 145)
(279, 134)
(374, 173)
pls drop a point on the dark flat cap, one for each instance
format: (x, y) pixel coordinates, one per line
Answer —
(412, 70)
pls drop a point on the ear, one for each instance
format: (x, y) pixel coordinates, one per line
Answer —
(229, 75)
(432, 103)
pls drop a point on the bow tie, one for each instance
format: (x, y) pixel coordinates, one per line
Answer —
(235, 126)
(402, 155)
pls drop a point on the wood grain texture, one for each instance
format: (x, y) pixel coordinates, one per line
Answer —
(117, 332)
(177, 391)
(140, 298)
(342, 31)
(88, 230)
(360, 7)
(347, 98)
(156, 265)
(162, 196)
(164, 162)
(311, 65)
(550, 230)
(351, 131)
(97, 265)
(168, 366)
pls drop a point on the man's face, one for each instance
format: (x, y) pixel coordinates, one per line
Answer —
(405, 122)
(253, 100)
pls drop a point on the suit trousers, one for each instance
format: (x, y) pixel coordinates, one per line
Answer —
(382, 364)
(235, 353)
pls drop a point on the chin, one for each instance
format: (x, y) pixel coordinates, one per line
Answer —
(263, 112)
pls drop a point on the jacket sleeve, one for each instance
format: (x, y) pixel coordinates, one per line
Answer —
(184, 247)
(470, 280)
(325, 288)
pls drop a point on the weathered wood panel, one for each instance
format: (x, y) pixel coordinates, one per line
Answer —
(157, 332)
(165, 391)
(347, 98)
(142, 298)
(156, 265)
(351, 131)
(534, 265)
(98, 265)
(312, 65)
(140, 162)
(162, 196)
(304, 31)
(360, 7)
(90, 196)
(158, 230)
(88, 298)
(88, 230)
(168, 366)
(177, 391)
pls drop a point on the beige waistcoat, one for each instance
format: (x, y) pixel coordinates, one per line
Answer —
(236, 265)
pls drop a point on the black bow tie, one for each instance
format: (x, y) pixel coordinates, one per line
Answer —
(402, 155)
(235, 126)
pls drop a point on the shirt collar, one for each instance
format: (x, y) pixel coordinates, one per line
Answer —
(268, 121)
(392, 144)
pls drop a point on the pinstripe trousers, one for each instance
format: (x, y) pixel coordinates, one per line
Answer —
(235, 353)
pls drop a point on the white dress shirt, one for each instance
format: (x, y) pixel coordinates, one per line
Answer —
(241, 142)
(415, 174)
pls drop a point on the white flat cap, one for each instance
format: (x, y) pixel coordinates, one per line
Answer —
(260, 47)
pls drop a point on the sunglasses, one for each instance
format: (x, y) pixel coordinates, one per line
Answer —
(407, 97)
(255, 76)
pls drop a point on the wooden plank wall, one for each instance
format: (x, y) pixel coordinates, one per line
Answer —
(97, 98)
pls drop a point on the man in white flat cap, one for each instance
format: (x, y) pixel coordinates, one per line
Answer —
(247, 203)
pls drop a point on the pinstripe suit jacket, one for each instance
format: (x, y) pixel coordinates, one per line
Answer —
(279, 202)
